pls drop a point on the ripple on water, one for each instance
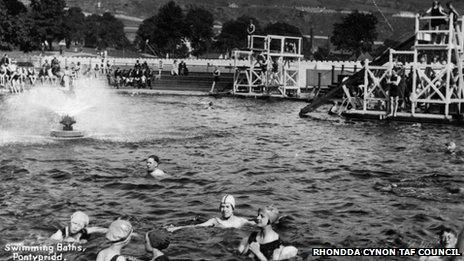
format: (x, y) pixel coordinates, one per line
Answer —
(335, 183)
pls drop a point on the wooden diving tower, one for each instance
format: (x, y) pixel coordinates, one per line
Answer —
(270, 67)
(432, 71)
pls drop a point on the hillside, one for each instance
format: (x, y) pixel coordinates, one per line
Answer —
(318, 14)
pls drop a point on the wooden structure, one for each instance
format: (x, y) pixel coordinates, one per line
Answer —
(433, 88)
(272, 67)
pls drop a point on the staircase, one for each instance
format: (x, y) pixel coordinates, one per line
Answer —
(194, 81)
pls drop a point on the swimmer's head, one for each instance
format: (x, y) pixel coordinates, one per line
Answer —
(227, 206)
(267, 216)
(450, 146)
(152, 162)
(448, 238)
(79, 220)
(119, 231)
(156, 239)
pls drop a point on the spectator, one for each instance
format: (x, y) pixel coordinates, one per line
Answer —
(185, 70)
(435, 11)
(394, 91)
(145, 65)
(148, 75)
(174, 68)
(250, 30)
(216, 75)
(137, 64)
(5, 60)
(117, 77)
(181, 68)
(160, 68)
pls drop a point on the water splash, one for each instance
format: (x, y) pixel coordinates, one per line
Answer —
(34, 113)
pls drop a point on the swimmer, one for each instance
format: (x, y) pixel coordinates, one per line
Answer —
(266, 244)
(119, 234)
(447, 239)
(227, 219)
(155, 241)
(451, 147)
(460, 246)
(152, 167)
(77, 231)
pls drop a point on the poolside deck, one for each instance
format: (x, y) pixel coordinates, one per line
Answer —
(403, 117)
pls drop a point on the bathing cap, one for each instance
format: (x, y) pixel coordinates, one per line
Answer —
(158, 238)
(228, 199)
(271, 212)
(119, 231)
(80, 217)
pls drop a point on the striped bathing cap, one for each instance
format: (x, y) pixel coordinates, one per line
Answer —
(228, 199)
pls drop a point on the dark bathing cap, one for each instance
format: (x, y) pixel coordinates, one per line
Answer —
(158, 238)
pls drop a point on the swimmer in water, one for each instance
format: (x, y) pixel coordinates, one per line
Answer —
(460, 246)
(77, 231)
(155, 241)
(266, 244)
(152, 167)
(451, 147)
(447, 239)
(227, 219)
(119, 235)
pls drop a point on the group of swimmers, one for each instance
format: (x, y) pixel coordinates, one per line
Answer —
(263, 244)
(118, 235)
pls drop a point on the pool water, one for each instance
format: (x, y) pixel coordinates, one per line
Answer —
(337, 183)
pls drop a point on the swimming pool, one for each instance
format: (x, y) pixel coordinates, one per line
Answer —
(326, 175)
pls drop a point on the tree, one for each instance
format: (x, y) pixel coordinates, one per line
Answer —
(15, 27)
(47, 16)
(283, 29)
(112, 32)
(356, 33)
(74, 25)
(170, 28)
(104, 31)
(200, 25)
(5, 28)
(14, 7)
(145, 35)
(234, 34)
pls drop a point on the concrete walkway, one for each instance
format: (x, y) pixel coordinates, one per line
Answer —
(161, 92)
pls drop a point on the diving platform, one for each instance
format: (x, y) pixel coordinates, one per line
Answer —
(272, 67)
(421, 82)
(402, 117)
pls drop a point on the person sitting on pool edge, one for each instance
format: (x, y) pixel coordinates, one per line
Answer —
(265, 244)
(77, 231)
(155, 241)
(119, 234)
(227, 219)
(152, 167)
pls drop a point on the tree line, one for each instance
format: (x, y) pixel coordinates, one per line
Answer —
(170, 31)
(45, 21)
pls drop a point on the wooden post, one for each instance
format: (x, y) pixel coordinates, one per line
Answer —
(333, 74)
(366, 84)
(414, 83)
(448, 65)
(319, 80)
